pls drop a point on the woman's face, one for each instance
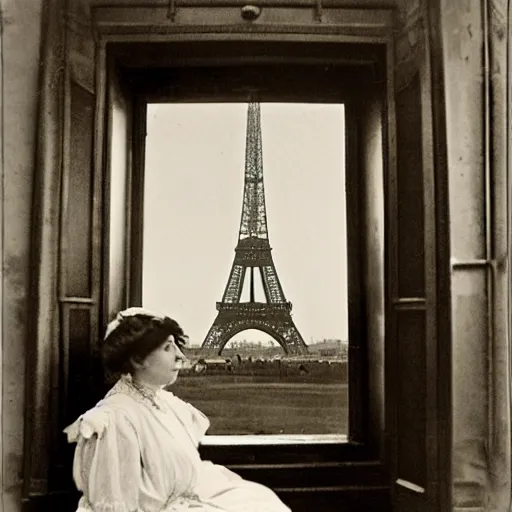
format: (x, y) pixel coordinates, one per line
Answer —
(161, 366)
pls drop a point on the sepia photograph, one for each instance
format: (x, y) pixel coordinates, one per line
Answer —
(256, 257)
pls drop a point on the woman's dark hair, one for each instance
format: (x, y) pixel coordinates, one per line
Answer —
(135, 338)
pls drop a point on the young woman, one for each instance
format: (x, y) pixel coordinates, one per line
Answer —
(137, 449)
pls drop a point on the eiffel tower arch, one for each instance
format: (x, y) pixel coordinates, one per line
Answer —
(253, 255)
(272, 321)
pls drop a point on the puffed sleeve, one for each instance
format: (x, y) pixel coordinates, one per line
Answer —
(107, 465)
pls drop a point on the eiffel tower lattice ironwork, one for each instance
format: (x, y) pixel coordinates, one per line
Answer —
(253, 253)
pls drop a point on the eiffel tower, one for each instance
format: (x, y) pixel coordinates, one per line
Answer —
(253, 253)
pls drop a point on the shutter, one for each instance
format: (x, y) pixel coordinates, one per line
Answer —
(412, 332)
(80, 233)
(67, 246)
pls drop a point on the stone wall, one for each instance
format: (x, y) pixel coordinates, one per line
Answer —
(20, 45)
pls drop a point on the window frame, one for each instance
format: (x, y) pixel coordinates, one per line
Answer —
(151, 86)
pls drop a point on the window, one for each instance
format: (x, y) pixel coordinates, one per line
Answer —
(253, 383)
(358, 432)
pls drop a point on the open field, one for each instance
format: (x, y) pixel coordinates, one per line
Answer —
(258, 405)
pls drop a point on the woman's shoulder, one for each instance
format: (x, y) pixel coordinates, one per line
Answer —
(113, 413)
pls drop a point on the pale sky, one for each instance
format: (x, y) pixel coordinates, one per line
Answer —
(193, 198)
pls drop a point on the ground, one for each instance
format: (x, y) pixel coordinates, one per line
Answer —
(261, 405)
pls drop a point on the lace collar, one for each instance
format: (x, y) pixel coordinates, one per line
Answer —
(139, 393)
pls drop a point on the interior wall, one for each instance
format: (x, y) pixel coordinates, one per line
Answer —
(475, 68)
(20, 46)
(464, 100)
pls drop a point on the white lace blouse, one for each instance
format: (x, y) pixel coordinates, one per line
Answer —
(139, 453)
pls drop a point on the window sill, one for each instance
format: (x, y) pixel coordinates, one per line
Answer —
(289, 439)
(282, 450)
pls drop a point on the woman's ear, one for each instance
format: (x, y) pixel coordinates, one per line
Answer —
(137, 363)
